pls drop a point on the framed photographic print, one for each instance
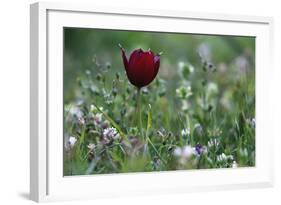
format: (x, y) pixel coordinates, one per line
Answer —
(127, 102)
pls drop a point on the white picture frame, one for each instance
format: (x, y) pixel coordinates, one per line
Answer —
(46, 179)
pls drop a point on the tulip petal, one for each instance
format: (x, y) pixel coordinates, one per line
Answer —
(135, 56)
(156, 64)
(125, 60)
(148, 70)
(142, 67)
(133, 69)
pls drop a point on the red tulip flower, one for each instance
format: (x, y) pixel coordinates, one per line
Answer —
(142, 67)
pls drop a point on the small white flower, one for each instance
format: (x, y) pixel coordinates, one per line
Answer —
(75, 112)
(94, 109)
(81, 120)
(97, 119)
(213, 143)
(251, 122)
(223, 157)
(185, 132)
(71, 141)
(184, 92)
(177, 152)
(188, 152)
(212, 89)
(185, 105)
(234, 164)
(254, 121)
(181, 64)
(184, 154)
(185, 68)
(110, 133)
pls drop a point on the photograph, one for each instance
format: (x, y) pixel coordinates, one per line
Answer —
(148, 101)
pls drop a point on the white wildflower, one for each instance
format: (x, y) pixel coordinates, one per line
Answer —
(73, 114)
(97, 119)
(234, 164)
(111, 133)
(185, 69)
(213, 143)
(212, 89)
(184, 92)
(181, 64)
(223, 157)
(185, 105)
(184, 154)
(70, 143)
(76, 112)
(188, 151)
(94, 109)
(251, 122)
(177, 152)
(185, 132)
(81, 120)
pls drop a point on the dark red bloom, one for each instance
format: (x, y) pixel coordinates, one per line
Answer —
(142, 67)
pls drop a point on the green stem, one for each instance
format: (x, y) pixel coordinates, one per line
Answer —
(138, 111)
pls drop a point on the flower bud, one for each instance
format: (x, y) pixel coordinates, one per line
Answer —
(142, 67)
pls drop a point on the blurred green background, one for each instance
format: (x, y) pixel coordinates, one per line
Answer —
(204, 92)
(82, 46)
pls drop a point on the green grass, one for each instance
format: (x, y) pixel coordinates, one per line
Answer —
(198, 113)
